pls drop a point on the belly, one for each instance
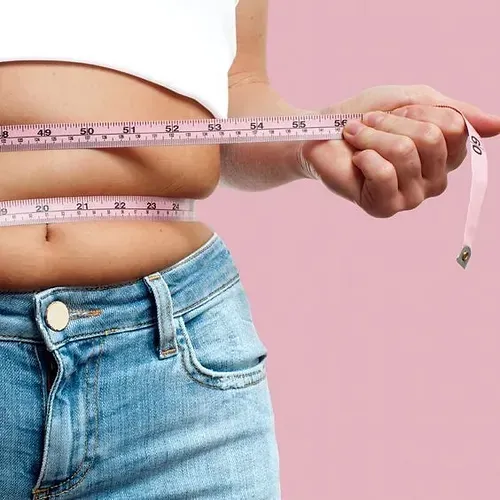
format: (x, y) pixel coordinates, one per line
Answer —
(97, 252)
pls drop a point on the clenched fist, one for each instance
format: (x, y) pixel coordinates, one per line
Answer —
(402, 151)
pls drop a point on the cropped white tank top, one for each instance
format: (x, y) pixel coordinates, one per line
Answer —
(186, 46)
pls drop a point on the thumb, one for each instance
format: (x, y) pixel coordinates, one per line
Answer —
(391, 97)
(333, 162)
(486, 125)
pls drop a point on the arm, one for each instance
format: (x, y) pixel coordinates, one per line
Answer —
(386, 164)
(257, 166)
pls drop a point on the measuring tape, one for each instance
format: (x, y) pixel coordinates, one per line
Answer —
(35, 137)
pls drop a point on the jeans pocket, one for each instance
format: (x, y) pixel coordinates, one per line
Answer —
(219, 344)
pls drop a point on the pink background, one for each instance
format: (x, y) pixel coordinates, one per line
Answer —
(384, 354)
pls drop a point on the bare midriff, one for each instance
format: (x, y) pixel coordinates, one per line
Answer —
(104, 252)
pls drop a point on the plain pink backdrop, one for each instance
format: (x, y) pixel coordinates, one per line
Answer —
(384, 354)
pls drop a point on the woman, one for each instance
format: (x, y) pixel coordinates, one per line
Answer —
(129, 363)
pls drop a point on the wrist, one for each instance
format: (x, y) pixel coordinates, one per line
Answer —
(306, 169)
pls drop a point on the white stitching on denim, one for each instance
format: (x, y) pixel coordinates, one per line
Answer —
(3, 338)
(226, 286)
(96, 378)
(43, 385)
(86, 443)
(48, 424)
(221, 381)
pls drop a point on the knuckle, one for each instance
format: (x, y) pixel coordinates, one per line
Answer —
(431, 133)
(392, 207)
(455, 123)
(442, 161)
(385, 173)
(462, 155)
(438, 186)
(385, 210)
(384, 178)
(413, 204)
(365, 134)
(367, 156)
(457, 158)
(378, 119)
(414, 112)
(414, 200)
(389, 211)
(404, 147)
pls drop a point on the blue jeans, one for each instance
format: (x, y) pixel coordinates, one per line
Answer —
(153, 389)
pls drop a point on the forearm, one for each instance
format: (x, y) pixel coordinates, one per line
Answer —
(262, 165)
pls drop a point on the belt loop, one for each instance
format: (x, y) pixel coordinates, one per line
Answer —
(164, 311)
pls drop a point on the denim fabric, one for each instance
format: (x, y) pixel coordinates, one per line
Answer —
(159, 390)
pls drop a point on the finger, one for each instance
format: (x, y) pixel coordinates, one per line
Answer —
(389, 97)
(399, 150)
(428, 138)
(379, 194)
(486, 125)
(449, 122)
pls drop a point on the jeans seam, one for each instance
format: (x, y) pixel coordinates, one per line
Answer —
(215, 293)
(103, 333)
(47, 490)
(48, 426)
(3, 338)
(43, 389)
(85, 449)
(226, 286)
(88, 335)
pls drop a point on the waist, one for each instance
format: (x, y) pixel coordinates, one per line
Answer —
(110, 250)
(107, 252)
(92, 310)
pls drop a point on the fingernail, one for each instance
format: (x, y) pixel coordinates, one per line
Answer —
(373, 118)
(353, 127)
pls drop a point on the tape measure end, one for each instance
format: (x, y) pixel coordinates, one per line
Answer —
(464, 257)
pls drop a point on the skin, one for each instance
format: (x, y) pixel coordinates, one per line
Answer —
(392, 162)
(389, 165)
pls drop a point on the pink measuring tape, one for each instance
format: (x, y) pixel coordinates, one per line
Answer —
(479, 183)
(184, 132)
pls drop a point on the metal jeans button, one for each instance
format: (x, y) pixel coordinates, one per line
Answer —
(57, 315)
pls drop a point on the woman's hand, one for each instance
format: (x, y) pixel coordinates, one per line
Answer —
(393, 161)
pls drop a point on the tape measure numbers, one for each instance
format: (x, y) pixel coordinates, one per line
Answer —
(36, 137)
(90, 208)
(172, 133)
(33, 137)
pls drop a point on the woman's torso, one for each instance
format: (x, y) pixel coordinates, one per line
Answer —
(104, 252)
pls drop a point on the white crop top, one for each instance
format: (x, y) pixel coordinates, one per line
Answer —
(187, 46)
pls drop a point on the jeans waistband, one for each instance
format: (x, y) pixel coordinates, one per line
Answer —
(122, 307)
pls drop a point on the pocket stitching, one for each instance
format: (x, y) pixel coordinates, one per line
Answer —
(217, 380)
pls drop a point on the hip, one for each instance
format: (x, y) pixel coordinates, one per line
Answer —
(162, 377)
